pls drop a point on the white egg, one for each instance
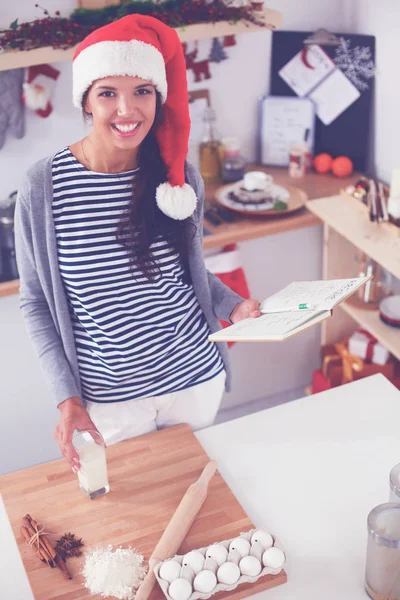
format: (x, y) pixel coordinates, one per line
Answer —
(228, 573)
(257, 550)
(170, 570)
(218, 552)
(180, 589)
(264, 538)
(273, 558)
(211, 565)
(250, 565)
(194, 559)
(241, 545)
(205, 582)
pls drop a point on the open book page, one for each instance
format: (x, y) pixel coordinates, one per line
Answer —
(319, 295)
(278, 326)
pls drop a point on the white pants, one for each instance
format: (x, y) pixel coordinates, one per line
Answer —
(197, 406)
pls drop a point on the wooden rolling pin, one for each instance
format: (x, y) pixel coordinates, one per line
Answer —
(178, 527)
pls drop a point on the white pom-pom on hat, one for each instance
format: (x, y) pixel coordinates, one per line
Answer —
(177, 202)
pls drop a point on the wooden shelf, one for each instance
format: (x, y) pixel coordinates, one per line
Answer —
(349, 217)
(9, 288)
(272, 19)
(369, 320)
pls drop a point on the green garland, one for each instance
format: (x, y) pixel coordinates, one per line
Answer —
(63, 33)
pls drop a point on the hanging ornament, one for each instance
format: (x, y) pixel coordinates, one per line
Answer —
(229, 40)
(201, 68)
(38, 88)
(356, 63)
(217, 53)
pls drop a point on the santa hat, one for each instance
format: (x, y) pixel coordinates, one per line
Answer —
(144, 47)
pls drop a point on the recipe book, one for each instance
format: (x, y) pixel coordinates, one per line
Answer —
(297, 307)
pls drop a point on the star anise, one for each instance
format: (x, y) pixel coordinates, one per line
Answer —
(68, 545)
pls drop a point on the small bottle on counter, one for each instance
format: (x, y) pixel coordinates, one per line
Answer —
(299, 157)
(211, 150)
(233, 165)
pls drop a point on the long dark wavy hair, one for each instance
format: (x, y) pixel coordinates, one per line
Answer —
(143, 222)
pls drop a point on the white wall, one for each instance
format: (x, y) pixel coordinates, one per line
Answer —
(27, 413)
(381, 18)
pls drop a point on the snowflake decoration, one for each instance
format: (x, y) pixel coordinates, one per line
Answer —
(356, 63)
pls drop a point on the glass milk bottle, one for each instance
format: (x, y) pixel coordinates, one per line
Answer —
(92, 475)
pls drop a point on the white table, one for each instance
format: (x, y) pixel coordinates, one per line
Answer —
(310, 471)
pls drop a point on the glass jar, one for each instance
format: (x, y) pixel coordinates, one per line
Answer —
(233, 164)
(92, 475)
(382, 574)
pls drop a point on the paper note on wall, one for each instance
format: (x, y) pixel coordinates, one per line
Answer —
(284, 122)
(306, 69)
(333, 96)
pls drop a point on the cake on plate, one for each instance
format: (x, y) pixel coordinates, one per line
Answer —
(257, 191)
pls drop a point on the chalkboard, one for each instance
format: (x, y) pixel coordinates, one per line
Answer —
(349, 133)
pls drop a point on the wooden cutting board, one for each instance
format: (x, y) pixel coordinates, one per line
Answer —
(148, 476)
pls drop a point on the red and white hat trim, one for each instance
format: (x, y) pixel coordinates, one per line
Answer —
(103, 58)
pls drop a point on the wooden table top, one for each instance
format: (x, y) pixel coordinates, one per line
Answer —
(148, 477)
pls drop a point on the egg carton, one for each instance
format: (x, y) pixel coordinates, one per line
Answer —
(220, 587)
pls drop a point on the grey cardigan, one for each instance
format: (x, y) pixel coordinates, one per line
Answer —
(42, 296)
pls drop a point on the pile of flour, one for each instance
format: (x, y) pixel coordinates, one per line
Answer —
(116, 573)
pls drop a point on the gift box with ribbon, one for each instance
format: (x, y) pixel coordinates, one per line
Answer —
(366, 346)
(339, 366)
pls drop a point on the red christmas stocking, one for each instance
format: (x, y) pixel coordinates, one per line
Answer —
(38, 88)
(228, 268)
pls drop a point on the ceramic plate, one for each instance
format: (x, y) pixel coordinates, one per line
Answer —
(294, 198)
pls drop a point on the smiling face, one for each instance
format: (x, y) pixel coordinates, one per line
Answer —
(123, 109)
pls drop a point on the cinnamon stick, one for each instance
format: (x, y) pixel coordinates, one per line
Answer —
(49, 558)
(43, 539)
(63, 567)
(42, 555)
(49, 548)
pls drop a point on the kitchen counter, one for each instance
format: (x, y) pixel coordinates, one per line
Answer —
(310, 471)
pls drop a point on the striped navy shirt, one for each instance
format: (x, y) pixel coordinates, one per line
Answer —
(134, 338)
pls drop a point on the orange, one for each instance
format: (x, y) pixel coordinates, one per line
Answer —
(342, 166)
(323, 162)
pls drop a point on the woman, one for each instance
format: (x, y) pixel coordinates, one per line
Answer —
(114, 290)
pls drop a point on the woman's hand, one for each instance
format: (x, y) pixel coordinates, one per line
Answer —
(245, 309)
(73, 416)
